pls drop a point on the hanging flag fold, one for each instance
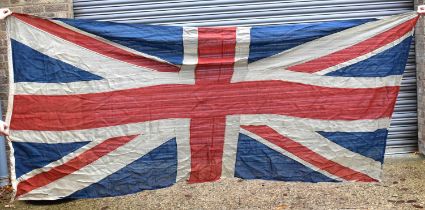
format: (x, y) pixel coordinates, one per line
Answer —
(104, 109)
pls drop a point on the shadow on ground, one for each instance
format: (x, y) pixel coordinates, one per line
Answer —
(46, 203)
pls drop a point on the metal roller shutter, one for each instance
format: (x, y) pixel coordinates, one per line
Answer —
(403, 131)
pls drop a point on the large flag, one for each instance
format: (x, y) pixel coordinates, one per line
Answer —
(103, 109)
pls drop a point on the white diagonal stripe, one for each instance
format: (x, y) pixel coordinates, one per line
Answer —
(273, 68)
(101, 39)
(366, 56)
(99, 169)
(332, 151)
(321, 47)
(304, 132)
(171, 127)
(290, 155)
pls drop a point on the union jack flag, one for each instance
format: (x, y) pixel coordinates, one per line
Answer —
(103, 109)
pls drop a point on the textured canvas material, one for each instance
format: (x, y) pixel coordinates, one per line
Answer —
(103, 109)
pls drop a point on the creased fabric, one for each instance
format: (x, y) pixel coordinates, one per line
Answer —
(106, 109)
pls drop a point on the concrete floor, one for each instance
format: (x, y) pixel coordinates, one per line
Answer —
(403, 187)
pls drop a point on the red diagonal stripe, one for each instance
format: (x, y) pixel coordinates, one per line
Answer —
(95, 45)
(38, 112)
(308, 155)
(356, 50)
(73, 165)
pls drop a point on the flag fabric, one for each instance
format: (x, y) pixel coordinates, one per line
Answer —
(103, 109)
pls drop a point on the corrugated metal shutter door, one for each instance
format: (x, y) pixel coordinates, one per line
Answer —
(403, 132)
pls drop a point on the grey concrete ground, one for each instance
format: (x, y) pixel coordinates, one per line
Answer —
(403, 187)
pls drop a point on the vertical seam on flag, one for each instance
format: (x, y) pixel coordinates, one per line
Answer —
(10, 107)
(190, 53)
(233, 121)
(190, 59)
(183, 151)
(243, 40)
(230, 146)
